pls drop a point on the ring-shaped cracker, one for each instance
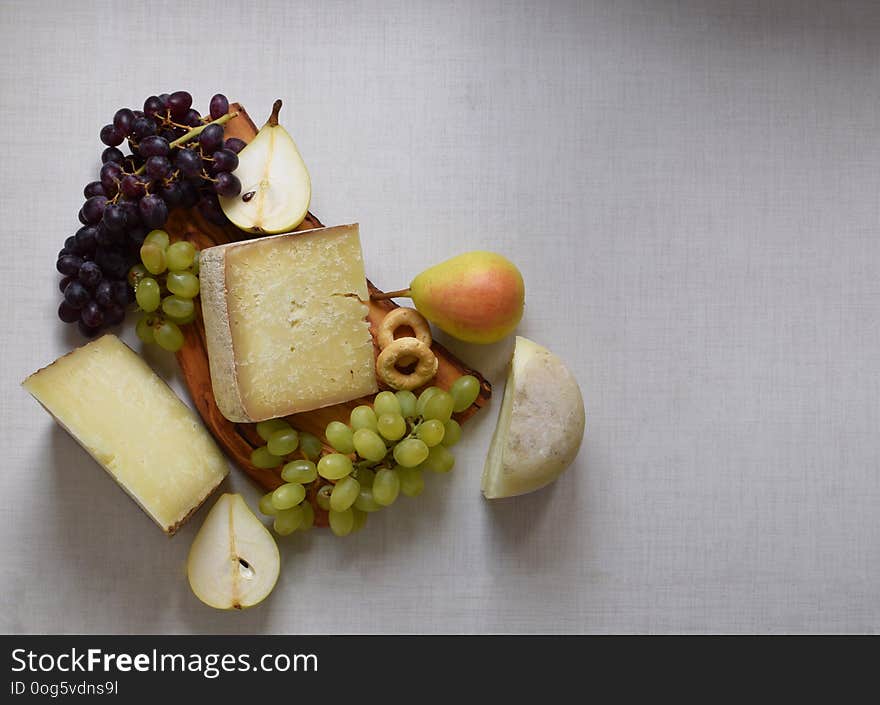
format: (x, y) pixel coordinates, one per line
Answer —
(402, 316)
(402, 348)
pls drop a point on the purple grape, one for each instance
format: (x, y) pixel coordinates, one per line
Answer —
(153, 106)
(114, 314)
(132, 186)
(211, 138)
(67, 313)
(153, 146)
(92, 315)
(153, 211)
(233, 144)
(90, 274)
(189, 194)
(158, 167)
(189, 162)
(114, 218)
(132, 163)
(93, 188)
(179, 103)
(192, 118)
(111, 173)
(111, 136)
(169, 135)
(64, 282)
(112, 154)
(227, 184)
(132, 213)
(224, 160)
(86, 330)
(137, 235)
(171, 194)
(209, 207)
(76, 294)
(82, 217)
(86, 239)
(219, 106)
(164, 98)
(104, 293)
(93, 209)
(120, 292)
(122, 120)
(143, 127)
(70, 244)
(114, 264)
(106, 238)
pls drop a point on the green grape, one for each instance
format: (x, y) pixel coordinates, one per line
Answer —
(181, 321)
(410, 452)
(360, 518)
(308, 518)
(323, 496)
(157, 237)
(302, 471)
(169, 337)
(407, 401)
(334, 466)
(265, 429)
(176, 307)
(266, 506)
(147, 294)
(369, 445)
(262, 458)
(288, 520)
(439, 406)
(344, 494)
(310, 445)
(464, 391)
(386, 487)
(144, 330)
(341, 523)
(431, 432)
(339, 436)
(391, 426)
(283, 442)
(135, 274)
(423, 399)
(153, 258)
(412, 482)
(451, 433)
(180, 255)
(365, 476)
(386, 403)
(195, 265)
(439, 460)
(365, 501)
(288, 495)
(183, 284)
(363, 416)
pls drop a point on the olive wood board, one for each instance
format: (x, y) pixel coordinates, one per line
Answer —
(240, 439)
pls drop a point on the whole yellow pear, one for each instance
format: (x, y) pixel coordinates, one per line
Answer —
(477, 296)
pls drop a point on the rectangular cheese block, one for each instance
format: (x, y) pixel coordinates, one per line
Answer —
(129, 420)
(285, 323)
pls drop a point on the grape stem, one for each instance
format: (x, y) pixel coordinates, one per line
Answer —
(194, 133)
(404, 293)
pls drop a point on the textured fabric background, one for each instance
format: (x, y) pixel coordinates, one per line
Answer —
(691, 191)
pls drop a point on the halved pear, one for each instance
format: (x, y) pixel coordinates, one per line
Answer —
(234, 561)
(275, 184)
(540, 425)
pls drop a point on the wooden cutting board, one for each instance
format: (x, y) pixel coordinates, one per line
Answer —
(239, 439)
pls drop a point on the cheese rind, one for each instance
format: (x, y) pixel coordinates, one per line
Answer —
(285, 323)
(106, 397)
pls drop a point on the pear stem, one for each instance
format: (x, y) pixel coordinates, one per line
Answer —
(404, 293)
(194, 133)
(273, 118)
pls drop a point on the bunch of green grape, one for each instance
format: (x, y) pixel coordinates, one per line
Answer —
(165, 284)
(380, 454)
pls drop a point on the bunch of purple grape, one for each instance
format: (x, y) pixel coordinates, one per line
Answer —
(178, 158)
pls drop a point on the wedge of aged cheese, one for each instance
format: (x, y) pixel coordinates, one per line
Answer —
(129, 420)
(285, 323)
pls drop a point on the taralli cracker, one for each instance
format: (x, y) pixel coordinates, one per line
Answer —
(403, 317)
(406, 348)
